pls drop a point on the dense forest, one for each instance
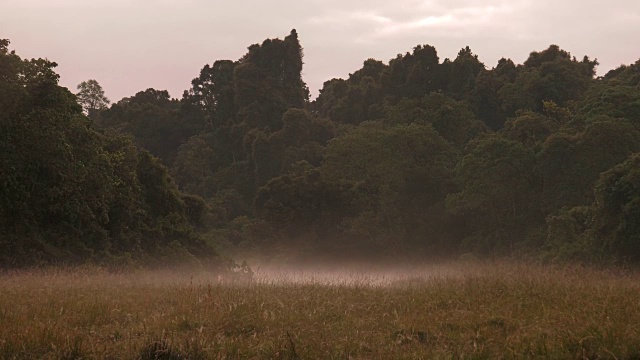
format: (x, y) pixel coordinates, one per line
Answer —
(418, 156)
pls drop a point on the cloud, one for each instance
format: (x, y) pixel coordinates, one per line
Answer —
(92, 3)
(469, 19)
(383, 20)
(427, 22)
(341, 17)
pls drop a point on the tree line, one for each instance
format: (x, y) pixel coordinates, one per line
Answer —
(416, 156)
(71, 193)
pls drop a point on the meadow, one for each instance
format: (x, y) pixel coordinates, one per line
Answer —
(463, 310)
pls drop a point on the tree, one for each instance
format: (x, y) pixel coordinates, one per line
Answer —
(498, 192)
(70, 194)
(400, 177)
(569, 165)
(484, 98)
(462, 74)
(194, 165)
(612, 99)
(91, 97)
(303, 202)
(616, 219)
(351, 101)
(268, 81)
(210, 101)
(302, 138)
(152, 117)
(414, 74)
(452, 119)
(529, 128)
(550, 75)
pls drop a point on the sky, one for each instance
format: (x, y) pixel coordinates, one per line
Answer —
(131, 45)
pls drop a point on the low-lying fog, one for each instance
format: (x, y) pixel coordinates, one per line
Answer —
(353, 274)
(341, 275)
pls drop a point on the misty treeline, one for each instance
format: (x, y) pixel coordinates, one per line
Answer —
(415, 156)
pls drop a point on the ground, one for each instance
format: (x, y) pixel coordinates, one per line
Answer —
(462, 310)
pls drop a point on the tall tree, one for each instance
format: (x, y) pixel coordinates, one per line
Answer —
(549, 75)
(91, 97)
(462, 74)
(268, 81)
(414, 74)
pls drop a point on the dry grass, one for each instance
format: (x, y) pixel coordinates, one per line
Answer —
(484, 311)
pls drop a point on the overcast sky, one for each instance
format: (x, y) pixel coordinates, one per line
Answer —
(131, 45)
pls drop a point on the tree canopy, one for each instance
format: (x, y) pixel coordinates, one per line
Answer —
(73, 194)
(416, 155)
(91, 97)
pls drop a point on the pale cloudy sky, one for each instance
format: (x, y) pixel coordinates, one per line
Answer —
(131, 45)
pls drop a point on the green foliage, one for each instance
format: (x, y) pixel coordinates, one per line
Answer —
(268, 81)
(354, 100)
(484, 98)
(302, 138)
(415, 74)
(568, 236)
(452, 119)
(303, 202)
(400, 176)
(71, 194)
(212, 95)
(463, 72)
(569, 165)
(383, 156)
(626, 74)
(152, 118)
(349, 102)
(194, 166)
(498, 191)
(530, 129)
(91, 97)
(608, 228)
(413, 154)
(616, 220)
(612, 99)
(550, 75)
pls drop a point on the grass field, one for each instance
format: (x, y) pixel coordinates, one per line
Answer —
(471, 311)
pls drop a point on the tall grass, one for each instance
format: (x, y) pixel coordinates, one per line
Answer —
(484, 311)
